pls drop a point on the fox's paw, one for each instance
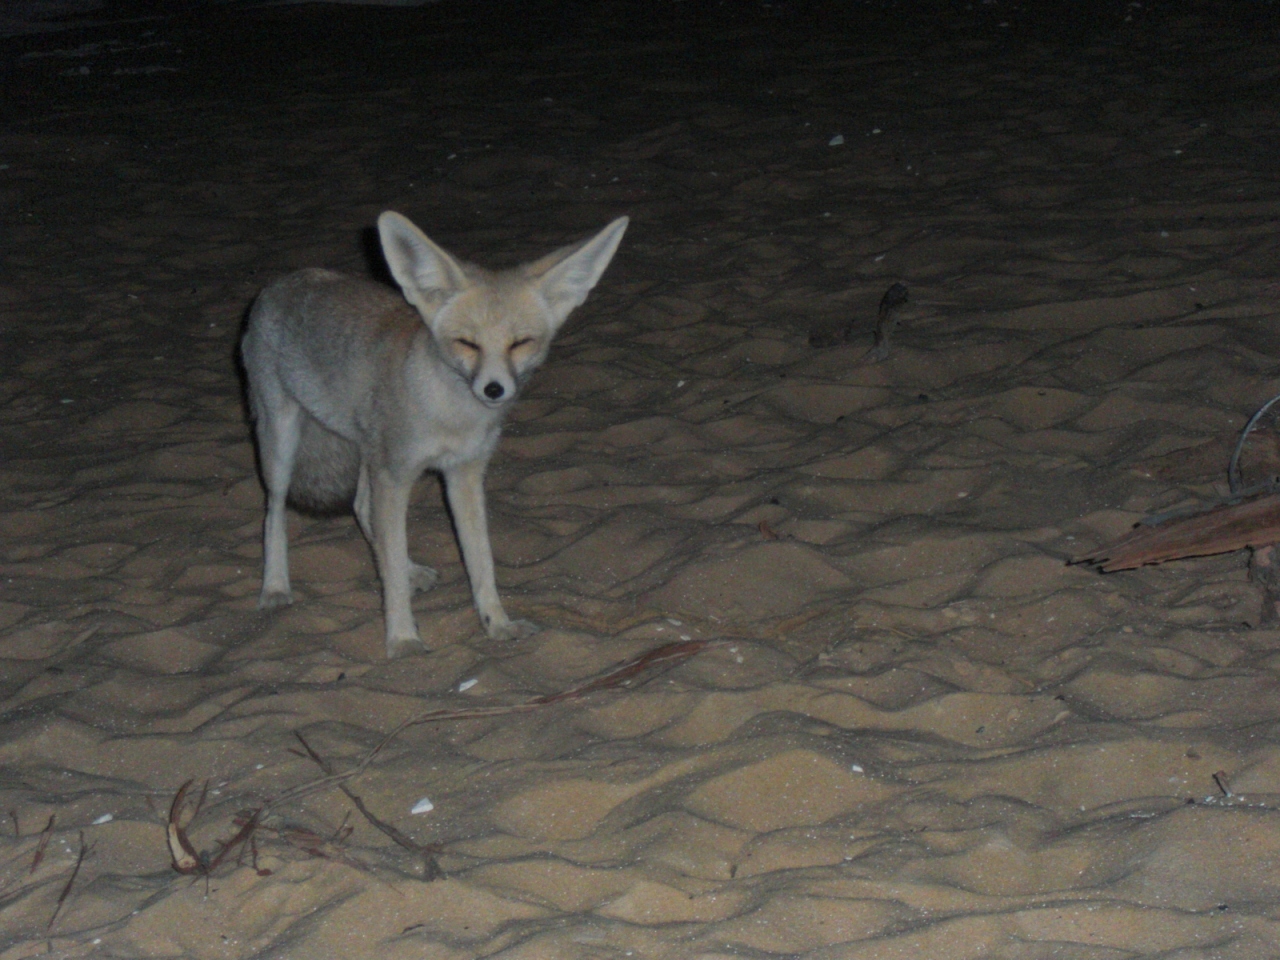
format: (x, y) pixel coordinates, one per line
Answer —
(422, 578)
(511, 630)
(398, 647)
(274, 599)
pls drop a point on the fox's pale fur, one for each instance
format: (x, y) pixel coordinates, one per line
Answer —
(355, 393)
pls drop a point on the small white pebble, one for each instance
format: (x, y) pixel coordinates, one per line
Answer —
(876, 130)
(674, 623)
(466, 685)
(962, 494)
(105, 818)
(856, 768)
(679, 384)
(836, 141)
(423, 806)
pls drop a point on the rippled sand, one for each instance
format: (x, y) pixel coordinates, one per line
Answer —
(915, 731)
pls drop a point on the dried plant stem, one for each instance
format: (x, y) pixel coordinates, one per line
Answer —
(66, 890)
(187, 860)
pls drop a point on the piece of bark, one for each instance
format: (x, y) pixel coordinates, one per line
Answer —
(1253, 523)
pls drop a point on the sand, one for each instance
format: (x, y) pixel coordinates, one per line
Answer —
(914, 730)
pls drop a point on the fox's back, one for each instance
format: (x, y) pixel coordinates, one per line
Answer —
(314, 310)
(324, 335)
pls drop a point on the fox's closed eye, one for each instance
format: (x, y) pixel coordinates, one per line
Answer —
(523, 341)
(467, 344)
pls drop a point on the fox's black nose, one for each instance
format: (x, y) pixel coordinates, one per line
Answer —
(493, 390)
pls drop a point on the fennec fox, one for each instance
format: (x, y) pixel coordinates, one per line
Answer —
(355, 393)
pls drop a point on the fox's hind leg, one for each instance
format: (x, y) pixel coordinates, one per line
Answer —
(421, 578)
(279, 428)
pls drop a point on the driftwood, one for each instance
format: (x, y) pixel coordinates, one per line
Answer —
(1251, 523)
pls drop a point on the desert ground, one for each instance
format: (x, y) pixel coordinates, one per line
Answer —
(897, 724)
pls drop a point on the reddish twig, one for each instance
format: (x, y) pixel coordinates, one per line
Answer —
(66, 890)
(45, 836)
(186, 859)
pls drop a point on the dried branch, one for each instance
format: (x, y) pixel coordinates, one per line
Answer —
(187, 860)
(66, 890)
(430, 866)
(666, 656)
(45, 836)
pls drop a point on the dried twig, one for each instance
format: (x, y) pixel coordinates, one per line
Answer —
(45, 835)
(66, 890)
(668, 655)
(315, 845)
(187, 860)
(248, 825)
(430, 866)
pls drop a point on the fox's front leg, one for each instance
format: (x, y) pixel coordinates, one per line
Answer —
(388, 510)
(420, 577)
(464, 486)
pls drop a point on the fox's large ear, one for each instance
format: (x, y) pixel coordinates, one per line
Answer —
(427, 275)
(564, 278)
